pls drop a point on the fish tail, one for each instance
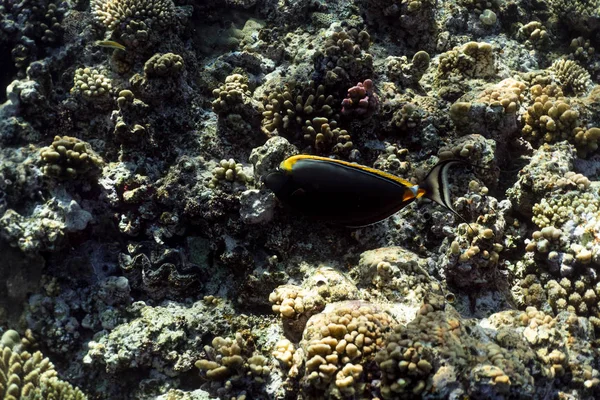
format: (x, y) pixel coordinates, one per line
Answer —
(436, 185)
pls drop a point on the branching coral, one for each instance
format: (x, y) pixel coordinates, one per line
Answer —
(287, 110)
(327, 138)
(122, 14)
(164, 65)
(361, 100)
(534, 34)
(572, 76)
(472, 60)
(339, 344)
(232, 95)
(29, 376)
(344, 58)
(231, 362)
(228, 171)
(91, 84)
(68, 157)
(550, 118)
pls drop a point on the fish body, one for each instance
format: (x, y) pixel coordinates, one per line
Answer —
(349, 194)
(111, 44)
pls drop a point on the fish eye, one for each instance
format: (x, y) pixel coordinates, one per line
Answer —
(450, 298)
(427, 215)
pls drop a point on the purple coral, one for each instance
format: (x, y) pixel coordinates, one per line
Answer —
(361, 100)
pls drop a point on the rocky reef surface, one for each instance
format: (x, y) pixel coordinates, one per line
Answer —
(141, 256)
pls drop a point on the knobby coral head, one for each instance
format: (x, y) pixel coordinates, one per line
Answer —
(361, 100)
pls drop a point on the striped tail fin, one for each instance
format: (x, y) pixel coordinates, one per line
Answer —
(436, 185)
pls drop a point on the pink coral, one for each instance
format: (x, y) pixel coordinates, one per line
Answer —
(361, 100)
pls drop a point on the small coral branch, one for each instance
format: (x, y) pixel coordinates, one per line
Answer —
(361, 100)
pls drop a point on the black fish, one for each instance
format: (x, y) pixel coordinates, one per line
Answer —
(350, 194)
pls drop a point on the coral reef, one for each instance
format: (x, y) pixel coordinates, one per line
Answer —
(144, 255)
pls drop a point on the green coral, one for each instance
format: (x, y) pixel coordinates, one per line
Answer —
(120, 14)
(231, 95)
(287, 110)
(339, 343)
(228, 171)
(68, 157)
(471, 60)
(90, 84)
(164, 65)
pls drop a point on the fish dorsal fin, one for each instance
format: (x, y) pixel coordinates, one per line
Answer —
(288, 164)
(436, 186)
